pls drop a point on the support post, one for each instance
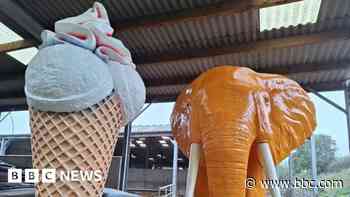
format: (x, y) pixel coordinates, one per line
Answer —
(2, 147)
(123, 183)
(175, 152)
(314, 163)
(290, 175)
(347, 105)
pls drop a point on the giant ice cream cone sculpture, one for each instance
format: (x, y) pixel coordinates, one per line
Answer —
(81, 89)
(82, 141)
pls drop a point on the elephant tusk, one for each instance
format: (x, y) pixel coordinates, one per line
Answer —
(192, 173)
(269, 167)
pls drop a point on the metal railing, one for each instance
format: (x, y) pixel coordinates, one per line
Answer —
(166, 191)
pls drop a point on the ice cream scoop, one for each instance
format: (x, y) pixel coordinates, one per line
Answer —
(80, 64)
(66, 78)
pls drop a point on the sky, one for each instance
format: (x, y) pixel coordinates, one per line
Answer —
(330, 121)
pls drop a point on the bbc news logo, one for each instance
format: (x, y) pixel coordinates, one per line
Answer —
(51, 175)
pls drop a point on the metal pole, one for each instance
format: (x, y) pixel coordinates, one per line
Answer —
(123, 186)
(290, 175)
(123, 180)
(314, 163)
(347, 105)
(174, 167)
(2, 147)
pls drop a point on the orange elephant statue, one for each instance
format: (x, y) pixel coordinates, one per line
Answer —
(228, 111)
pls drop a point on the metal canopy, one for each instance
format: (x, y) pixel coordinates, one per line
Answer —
(172, 42)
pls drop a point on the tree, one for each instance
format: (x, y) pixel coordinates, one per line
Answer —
(325, 154)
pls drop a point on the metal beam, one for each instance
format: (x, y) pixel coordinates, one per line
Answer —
(329, 101)
(220, 8)
(325, 86)
(322, 86)
(17, 15)
(12, 46)
(13, 104)
(161, 98)
(17, 91)
(303, 68)
(11, 83)
(282, 70)
(10, 65)
(258, 46)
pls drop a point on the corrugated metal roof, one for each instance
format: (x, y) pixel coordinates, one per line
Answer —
(308, 78)
(210, 32)
(334, 9)
(213, 32)
(123, 10)
(163, 92)
(308, 54)
(10, 65)
(47, 12)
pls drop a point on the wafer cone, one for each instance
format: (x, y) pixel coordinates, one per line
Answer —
(83, 140)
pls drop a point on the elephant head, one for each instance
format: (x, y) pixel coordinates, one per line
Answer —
(227, 111)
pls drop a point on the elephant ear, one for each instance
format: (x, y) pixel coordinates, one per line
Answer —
(181, 120)
(184, 120)
(286, 115)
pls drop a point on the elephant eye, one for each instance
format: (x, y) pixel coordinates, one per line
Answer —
(266, 98)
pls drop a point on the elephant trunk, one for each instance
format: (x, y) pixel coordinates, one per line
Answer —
(226, 148)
